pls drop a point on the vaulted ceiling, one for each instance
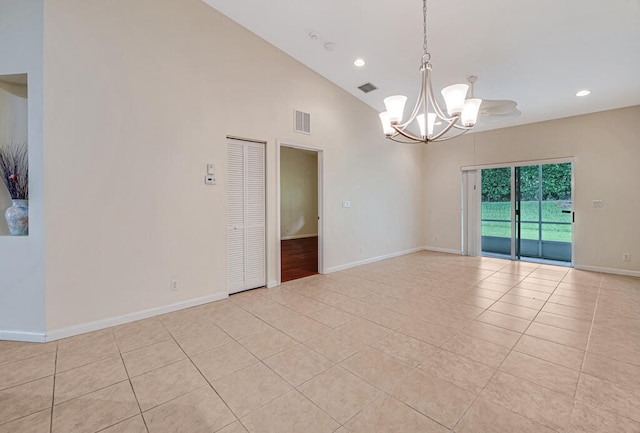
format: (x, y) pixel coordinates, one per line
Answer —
(538, 53)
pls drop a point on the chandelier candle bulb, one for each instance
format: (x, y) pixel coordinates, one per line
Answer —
(454, 98)
(395, 107)
(470, 111)
(386, 124)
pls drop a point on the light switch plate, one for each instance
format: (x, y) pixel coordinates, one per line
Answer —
(210, 180)
(211, 169)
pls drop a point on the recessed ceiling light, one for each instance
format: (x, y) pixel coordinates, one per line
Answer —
(584, 92)
(359, 63)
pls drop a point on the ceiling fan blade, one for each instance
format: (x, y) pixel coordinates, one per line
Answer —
(496, 118)
(497, 106)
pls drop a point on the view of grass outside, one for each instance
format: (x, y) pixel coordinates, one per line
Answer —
(551, 212)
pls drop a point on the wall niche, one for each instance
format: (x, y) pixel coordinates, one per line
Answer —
(14, 162)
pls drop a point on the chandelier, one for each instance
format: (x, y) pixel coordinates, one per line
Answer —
(461, 113)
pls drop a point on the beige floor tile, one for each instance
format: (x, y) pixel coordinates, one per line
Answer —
(575, 325)
(588, 419)
(166, 383)
(226, 310)
(514, 310)
(250, 388)
(301, 304)
(492, 334)
(267, 343)
(578, 292)
(532, 294)
(545, 373)
(504, 321)
(427, 332)
(27, 370)
(615, 344)
(39, 422)
(12, 351)
(436, 398)
(474, 301)
(567, 311)
(617, 398)
(540, 404)
(491, 295)
(535, 286)
(291, 413)
(88, 378)
(26, 399)
(522, 301)
(235, 427)
(149, 358)
(586, 304)
(95, 411)
(292, 323)
(499, 286)
(364, 330)
(243, 327)
(487, 417)
(481, 351)
(405, 348)
(298, 364)
(139, 334)
(207, 339)
(223, 361)
(459, 370)
(388, 415)
(85, 349)
(550, 351)
(330, 316)
(558, 335)
(252, 301)
(131, 425)
(200, 411)
(379, 369)
(618, 372)
(335, 346)
(182, 322)
(339, 393)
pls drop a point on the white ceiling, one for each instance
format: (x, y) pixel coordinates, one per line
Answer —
(538, 53)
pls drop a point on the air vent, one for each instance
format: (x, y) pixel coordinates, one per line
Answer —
(368, 87)
(302, 122)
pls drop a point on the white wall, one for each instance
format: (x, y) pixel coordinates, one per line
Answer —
(139, 96)
(13, 131)
(22, 295)
(606, 147)
(298, 193)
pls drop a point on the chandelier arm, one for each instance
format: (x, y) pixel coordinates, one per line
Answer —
(436, 107)
(445, 130)
(407, 135)
(404, 141)
(448, 137)
(416, 108)
(462, 127)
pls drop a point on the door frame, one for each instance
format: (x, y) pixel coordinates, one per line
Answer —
(320, 154)
(471, 224)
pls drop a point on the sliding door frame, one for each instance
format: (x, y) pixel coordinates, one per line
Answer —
(472, 203)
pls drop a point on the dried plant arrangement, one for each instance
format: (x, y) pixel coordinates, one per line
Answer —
(14, 170)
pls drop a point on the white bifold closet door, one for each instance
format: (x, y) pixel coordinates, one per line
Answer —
(246, 234)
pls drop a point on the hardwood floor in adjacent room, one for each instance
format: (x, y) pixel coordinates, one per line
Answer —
(299, 258)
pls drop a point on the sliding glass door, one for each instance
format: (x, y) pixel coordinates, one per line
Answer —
(527, 212)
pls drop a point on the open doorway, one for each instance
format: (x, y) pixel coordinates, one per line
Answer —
(300, 209)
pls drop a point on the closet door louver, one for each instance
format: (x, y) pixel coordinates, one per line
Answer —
(245, 216)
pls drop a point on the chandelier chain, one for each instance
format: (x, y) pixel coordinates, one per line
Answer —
(424, 30)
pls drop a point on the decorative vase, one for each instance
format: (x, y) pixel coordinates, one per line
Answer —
(18, 217)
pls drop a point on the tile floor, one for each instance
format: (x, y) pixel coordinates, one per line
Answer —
(422, 343)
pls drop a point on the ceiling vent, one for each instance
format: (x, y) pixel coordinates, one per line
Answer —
(301, 122)
(367, 87)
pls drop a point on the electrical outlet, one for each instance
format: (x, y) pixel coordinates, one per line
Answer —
(598, 204)
(346, 203)
(173, 285)
(626, 257)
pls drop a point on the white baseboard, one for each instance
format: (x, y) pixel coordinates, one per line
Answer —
(70, 331)
(288, 238)
(31, 337)
(443, 250)
(608, 270)
(272, 283)
(372, 260)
